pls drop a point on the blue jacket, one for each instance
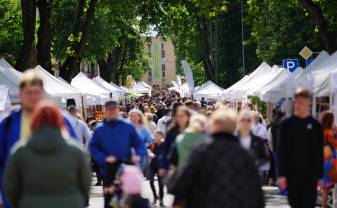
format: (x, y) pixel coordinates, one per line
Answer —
(10, 134)
(115, 138)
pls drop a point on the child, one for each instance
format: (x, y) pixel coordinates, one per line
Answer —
(156, 150)
(131, 180)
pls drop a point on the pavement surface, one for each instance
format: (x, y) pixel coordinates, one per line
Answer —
(272, 199)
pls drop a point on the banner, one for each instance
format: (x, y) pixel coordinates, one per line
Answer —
(188, 76)
(156, 61)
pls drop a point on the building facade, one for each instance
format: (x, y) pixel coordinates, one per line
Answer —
(163, 65)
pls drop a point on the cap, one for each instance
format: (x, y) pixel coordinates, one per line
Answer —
(300, 92)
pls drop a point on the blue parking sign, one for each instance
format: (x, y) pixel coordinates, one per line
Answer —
(290, 64)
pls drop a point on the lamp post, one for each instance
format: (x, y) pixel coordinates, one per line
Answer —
(242, 40)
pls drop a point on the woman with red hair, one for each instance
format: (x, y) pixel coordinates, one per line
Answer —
(48, 170)
(330, 155)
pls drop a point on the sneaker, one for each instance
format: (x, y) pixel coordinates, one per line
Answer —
(155, 200)
(161, 204)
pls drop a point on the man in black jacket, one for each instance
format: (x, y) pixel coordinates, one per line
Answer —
(301, 154)
(219, 173)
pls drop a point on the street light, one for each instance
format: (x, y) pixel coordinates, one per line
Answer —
(242, 39)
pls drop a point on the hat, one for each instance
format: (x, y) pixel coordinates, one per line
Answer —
(300, 92)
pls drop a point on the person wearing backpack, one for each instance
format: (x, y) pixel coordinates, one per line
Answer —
(15, 127)
(330, 155)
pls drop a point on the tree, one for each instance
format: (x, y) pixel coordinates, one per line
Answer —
(44, 34)
(27, 57)
(324, 15)
(281, 29)
(78, 39)
(10, 30)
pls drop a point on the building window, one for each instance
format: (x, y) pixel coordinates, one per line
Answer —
(162, 46)
(150, 76)
(163, 53)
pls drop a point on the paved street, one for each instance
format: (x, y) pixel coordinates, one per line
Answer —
(273, 200)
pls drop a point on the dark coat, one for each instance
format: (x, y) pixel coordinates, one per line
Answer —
(47, 172)
(219, 174)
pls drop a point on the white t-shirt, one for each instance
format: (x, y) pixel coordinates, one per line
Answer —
(261, 131)
(246, 142)
(162, 124)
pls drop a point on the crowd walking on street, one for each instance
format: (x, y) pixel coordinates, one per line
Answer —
(204, 153)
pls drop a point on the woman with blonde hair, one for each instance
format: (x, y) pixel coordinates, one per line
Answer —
(138, 120)
(194, 133)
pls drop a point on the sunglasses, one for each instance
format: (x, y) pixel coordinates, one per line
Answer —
(247, 120)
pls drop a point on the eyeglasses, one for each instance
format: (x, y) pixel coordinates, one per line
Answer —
(247, 120)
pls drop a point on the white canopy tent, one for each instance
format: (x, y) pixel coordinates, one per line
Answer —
(146, 85)
(137, 87)
(209, 91)
(279, 75)
(116, 92)
(262, 73)
(284, 89)
(11, 79)
(87, 86)
(5, 102)
(56, 88)
(304, 80)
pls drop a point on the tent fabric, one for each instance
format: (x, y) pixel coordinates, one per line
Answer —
(146, 85)
(10, 78)
(264, 71)
(209, 90)
(116, 92)
(304, 80)
(5, 102)
(87, 86)
(279, 75)
(140, 89)
(275, 92)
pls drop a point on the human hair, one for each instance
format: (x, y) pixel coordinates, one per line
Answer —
(189, 103)
(30, 78)
(140, 114)
(225, 120)
(197, 123)
(72, 109)
(327, 120)
(149, 116)
(46, 114)
(302, 93)
(186, 111)
(153, 109)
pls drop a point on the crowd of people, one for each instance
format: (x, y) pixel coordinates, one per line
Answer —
(204, 152)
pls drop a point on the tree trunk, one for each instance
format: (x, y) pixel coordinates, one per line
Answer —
(69, 69)
(44, 35)
(328, 36)
(27, 58)
(209, 68)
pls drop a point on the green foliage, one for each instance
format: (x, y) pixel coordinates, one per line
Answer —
(10, 30)
(281, 29)
(261, 106)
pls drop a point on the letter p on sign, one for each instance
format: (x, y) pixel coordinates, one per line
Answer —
(290, 64)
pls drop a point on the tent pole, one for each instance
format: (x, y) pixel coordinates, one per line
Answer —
(314, 103)
(83, 109)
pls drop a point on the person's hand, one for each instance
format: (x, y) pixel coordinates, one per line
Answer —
(110, 160)
(162, 172)
(135, 159)
(282, 182)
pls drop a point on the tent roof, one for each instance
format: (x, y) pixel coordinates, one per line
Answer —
(279, 75)
(208, 90)
(107, 86)
(245, 82)
(10, 78)
(4, 98)
(86, 85)
(54, 86)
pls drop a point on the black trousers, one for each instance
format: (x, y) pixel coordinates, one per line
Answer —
(108, 180)
(151, 175)
(302, 191)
